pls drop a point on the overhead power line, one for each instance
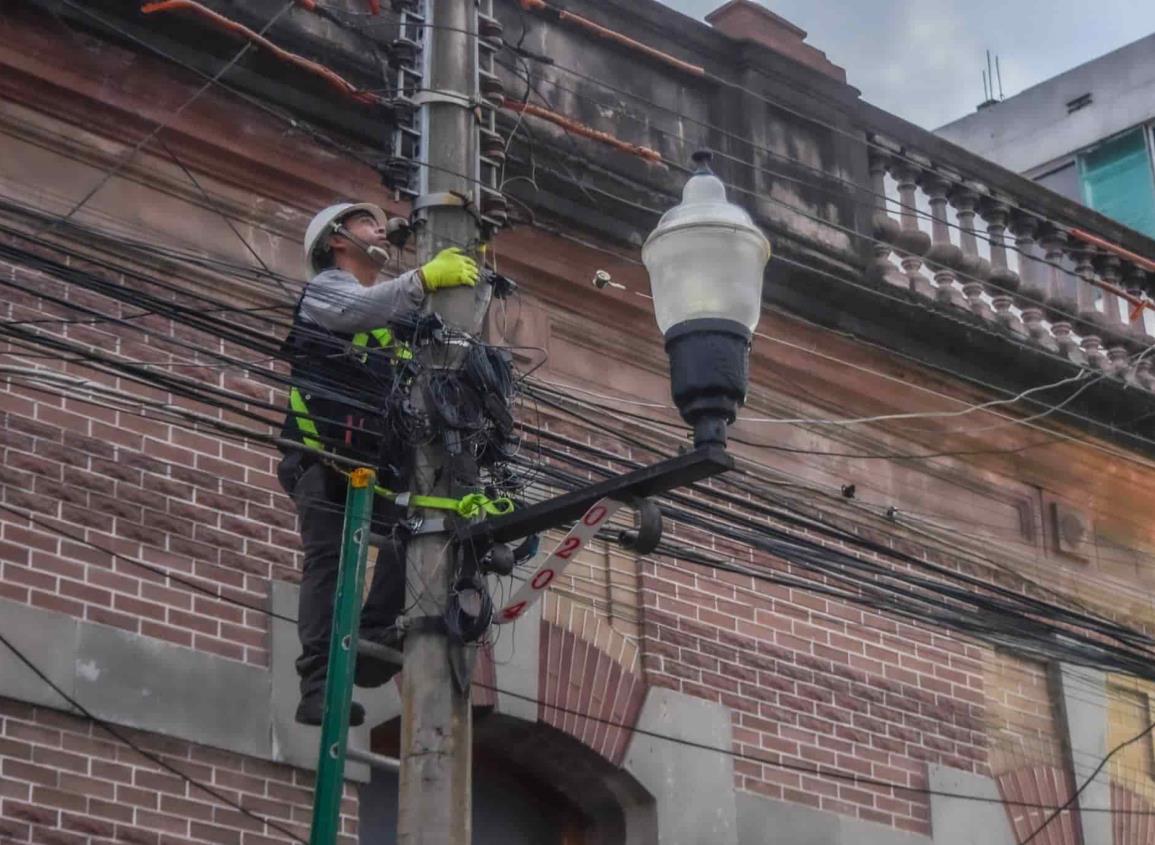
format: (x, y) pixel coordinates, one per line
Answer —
(1083, 786)
(1020, 397)
(119, 735)
(815, 771)
(160, 126)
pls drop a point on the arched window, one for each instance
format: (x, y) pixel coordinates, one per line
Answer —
(532, 784)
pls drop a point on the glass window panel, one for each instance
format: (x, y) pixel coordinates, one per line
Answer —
(1117, 181)
(1064, 181)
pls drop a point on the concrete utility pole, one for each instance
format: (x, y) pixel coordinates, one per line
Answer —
(436, 726)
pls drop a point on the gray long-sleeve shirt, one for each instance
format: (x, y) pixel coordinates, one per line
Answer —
(335, 300)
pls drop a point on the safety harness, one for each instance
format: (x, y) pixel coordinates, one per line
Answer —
(321, 358)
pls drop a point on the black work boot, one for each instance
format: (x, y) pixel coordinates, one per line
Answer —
(371, 671)
(312, 708)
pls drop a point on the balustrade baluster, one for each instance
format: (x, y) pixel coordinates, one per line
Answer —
(1061, 294)
(912, 242)
(944, 257)
(886, 229)
(1135, 282)
(1002, 282)
(1032, 286)
(1091, 322)
(974, 268)
(1115, 318)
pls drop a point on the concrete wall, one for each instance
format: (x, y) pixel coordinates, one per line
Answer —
(763, 821)
(1033, 127)
(146, 683)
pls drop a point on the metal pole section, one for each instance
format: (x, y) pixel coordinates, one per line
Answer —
(342, 658)
(436, 729)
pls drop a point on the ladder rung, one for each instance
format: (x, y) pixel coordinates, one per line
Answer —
(372, 760)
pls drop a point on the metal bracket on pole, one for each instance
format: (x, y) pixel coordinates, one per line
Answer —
(647, 481)
(414, 528)
(441, 199)
(448, 97)
(342, 658)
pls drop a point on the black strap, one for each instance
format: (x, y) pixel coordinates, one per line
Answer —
(426, 624)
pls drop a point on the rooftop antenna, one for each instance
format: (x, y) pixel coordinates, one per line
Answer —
(999, 73)
(988, 84)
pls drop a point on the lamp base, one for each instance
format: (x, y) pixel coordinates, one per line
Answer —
(709, 370)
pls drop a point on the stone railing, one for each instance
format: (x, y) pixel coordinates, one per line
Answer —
(1036, 273)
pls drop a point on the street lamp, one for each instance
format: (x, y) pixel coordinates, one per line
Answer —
(705, 259)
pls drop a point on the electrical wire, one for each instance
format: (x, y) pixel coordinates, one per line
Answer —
(702, 491)
(762, 759)
(969, 409)
(139, 563)
(816, 771)
(655, 212)
(675, 431)
(821, 180)
(160, 126)
(758, 472)
(134, 561)
(124, 738)
(1090, 779)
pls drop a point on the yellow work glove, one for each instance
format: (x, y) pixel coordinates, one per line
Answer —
(450, 268)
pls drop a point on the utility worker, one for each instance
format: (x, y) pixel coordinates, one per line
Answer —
(347, 372)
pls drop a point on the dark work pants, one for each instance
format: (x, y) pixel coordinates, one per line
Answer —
(319, 494)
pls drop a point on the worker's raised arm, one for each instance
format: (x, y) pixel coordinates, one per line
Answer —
(335, 300)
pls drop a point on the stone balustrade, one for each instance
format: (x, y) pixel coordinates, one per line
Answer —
(969, 247)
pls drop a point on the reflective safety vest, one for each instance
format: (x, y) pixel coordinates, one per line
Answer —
(345, 392)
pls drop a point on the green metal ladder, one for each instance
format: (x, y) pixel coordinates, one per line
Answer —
(343, 648)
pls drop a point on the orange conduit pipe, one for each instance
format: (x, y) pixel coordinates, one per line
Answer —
(1137, 303)
(616, 37)
(571, 125)
(339, 82)
(311, 6)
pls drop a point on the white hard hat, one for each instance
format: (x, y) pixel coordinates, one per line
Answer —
(321, 226)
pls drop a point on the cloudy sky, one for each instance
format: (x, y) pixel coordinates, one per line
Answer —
(923, 59)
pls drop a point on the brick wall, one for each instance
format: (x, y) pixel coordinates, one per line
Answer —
(1129, 705)
(203, 508)
(1027, 757)
(65, 781)
(1021, 714)
(816, 683)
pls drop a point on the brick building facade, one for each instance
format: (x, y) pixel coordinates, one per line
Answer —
(147, 563)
